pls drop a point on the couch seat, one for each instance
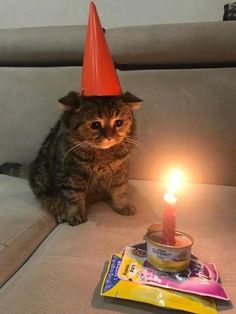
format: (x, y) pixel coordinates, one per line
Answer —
(64, 274)
(23, 225)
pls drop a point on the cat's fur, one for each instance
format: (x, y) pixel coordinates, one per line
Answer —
(86, 156)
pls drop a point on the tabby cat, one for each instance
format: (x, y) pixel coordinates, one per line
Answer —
(85, 157)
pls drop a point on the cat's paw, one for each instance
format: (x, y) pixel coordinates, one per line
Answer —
(127, 210)
(61, 218)
(76, 219)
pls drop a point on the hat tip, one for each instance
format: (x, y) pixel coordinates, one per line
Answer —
(92, 4)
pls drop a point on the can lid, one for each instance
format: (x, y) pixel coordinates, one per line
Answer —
(154, 237)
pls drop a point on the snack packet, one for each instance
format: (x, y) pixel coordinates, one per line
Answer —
(112, 286)
(200, 278)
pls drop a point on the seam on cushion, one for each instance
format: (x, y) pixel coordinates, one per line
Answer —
(55, 230)
(27, 227)
(30, 255)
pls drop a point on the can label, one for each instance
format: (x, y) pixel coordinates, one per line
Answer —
(169, 258)
(169, 255)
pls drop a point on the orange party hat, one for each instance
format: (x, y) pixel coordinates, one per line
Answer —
(99, 77)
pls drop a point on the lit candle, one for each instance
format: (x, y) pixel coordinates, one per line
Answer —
(169, 221)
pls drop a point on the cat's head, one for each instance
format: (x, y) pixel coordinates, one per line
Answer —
(99, 121)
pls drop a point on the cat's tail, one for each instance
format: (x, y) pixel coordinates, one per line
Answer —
(15, 169)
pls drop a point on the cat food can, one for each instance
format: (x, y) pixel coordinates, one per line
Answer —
(169, 258)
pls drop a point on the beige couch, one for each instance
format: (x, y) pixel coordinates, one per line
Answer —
(186, 75)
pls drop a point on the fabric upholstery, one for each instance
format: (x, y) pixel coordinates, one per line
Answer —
(187, 118)
(30, 107)
(64, 275)
(22, 225)
(52, 45)
(189, 43)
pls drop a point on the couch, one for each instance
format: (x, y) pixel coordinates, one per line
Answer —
(186, 76)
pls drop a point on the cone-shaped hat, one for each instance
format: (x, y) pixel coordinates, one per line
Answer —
(99, 77)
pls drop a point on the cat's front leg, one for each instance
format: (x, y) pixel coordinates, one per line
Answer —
(76, 209)
(77, 212)
(120, 203)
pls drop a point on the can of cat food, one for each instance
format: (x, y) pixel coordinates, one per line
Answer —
(169, 258)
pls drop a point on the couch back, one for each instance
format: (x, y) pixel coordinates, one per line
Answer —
(185, 74)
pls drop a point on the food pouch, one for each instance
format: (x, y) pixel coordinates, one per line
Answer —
(112, 286)
(200, 278)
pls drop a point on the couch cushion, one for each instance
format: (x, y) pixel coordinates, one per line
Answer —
(174, 44)
(64, 275)
(22, 225)
(187, 118)
(30, 107)
(54, 45)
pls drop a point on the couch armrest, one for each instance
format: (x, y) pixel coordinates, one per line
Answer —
(168, 44)
(37, 46)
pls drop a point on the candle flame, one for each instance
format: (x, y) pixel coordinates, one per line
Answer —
(175, 181)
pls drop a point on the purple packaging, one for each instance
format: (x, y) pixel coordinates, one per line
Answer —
(200, 278)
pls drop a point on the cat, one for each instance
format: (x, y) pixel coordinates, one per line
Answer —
(85, 157)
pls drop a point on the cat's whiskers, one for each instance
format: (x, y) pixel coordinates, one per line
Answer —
(133, 141)
(76, 146)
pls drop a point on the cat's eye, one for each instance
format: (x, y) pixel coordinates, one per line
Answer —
(118, 123)
(95, 125)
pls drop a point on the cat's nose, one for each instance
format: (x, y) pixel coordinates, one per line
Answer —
(108, 134)
(109, 138)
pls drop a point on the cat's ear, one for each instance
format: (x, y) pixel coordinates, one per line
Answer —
(133, 101)
(70, 102)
